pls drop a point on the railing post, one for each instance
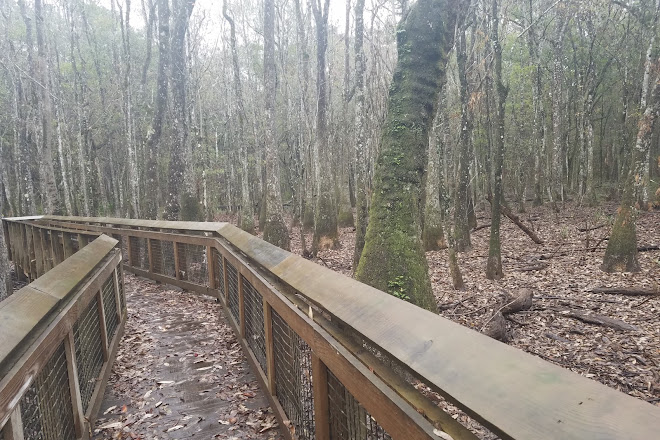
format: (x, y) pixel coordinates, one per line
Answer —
(104, 329)
(120, 311)
(46, 247)
(224, 279)
(82, 241)
(67, 244)
(150, 256)
(8, 243)
(74, 386)
(270, 351)
(31, 253)
(129, 250)
(38, 252)
(320, 390)
(210, 264)
(177, 268)
(241, 304)
(13, 430)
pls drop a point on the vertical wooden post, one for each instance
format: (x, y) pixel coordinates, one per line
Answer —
(120, 311)
(38, 252)
(177, 268)
(129, 250)
(82, 241)
(150, 255)
(31, 253)
(104, 329)
(241, 304)
(74, 385)
(210, 264)
(8, 242)
(13, 430)
(270, 350)
(56, 247)
(224, 279)
(46, 246)
(68, 244)
(320, 390)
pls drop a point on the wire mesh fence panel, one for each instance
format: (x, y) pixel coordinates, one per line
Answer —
(156, 256)
(347, 417)
(110, 307)
(293, 378)
(254, 323)
(46, 409)
(89, 351)
(120, 282)
(167, 259)
(139, 254)
(232, 286)
(196, 264)
(218, 273)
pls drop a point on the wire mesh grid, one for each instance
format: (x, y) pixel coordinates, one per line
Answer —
(232, 286)
(219, 275)
(140, 254)
(156, 256)
(293, 378)
(347, 417)
(89, 351)
(196, 264)
(46, 409)
(254, 323)
(167, 259)
(110, 307)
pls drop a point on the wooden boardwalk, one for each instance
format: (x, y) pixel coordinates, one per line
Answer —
(180, 373)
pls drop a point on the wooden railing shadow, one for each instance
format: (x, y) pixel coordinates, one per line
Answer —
(341, 360)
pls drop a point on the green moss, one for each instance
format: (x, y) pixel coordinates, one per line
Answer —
(393, 254)
(345, 219)
(276, 232)
(621, 253)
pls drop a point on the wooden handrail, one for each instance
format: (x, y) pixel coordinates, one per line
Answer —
(514, 394)
(38, 321)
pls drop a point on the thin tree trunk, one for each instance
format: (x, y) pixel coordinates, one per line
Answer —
(494, 264)
(275, 230)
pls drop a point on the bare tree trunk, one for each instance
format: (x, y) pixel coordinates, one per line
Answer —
(461, 224)
(494, 264)
(50, 197)
(246, 214)
(556, 192)
(361, 202)
(326, 234)
(275, 230)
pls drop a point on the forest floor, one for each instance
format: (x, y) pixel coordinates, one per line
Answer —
(561, 274)
(180, 373)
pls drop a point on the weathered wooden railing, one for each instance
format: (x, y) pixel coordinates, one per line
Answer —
(338, 359)
(60, 333)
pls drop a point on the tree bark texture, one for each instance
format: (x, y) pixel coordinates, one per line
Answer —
(393, 258)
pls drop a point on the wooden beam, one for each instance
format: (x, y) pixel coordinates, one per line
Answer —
(177, 268)
(224, 279)
(102, 324)
(320, 390)
(74, 387)
(210, 265)
(268, 340)
(150, 255)
(13, 430)
(241, 305)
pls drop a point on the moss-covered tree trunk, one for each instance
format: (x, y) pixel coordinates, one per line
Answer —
(621, 252)
(393, 258)
(433, 236)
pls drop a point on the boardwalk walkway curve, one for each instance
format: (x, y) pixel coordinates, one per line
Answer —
(336, 358)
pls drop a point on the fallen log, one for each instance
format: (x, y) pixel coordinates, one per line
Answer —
(495, 327)
(629, 291)
(606, 321)
(515, 219)
(533, 268)
(478, 228)
(592, 228)
(648, 248)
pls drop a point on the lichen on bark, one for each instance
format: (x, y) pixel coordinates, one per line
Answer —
(393, 257)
